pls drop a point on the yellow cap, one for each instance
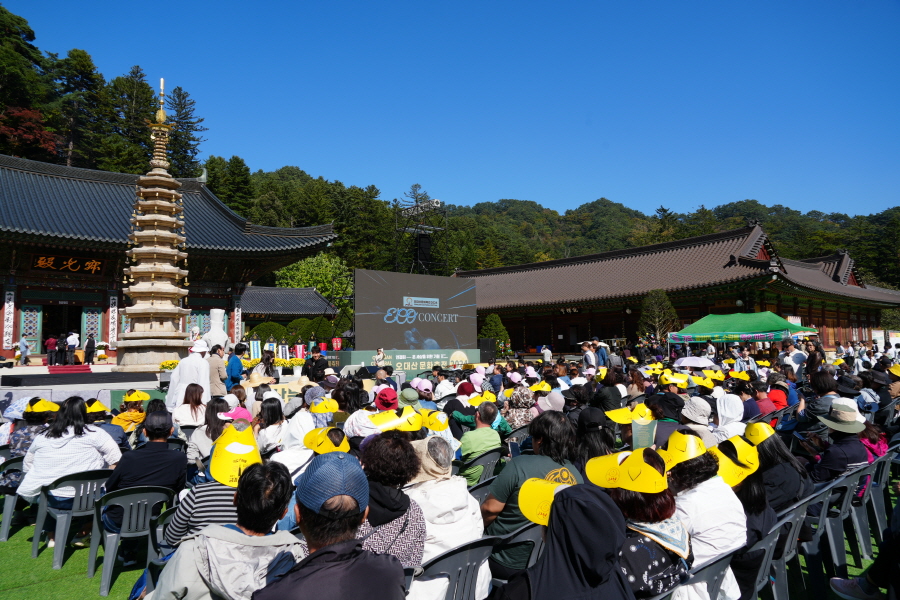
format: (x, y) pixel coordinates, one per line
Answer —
(763, 363)
(540, 386)
(508, 393)
(409, 420)
(601, 373)
(714, 374)
(434, 420)
(624, 416)
(729, 361)
(740, 375)
(681, 447)
(233, 452)
(627, 471)
(632, 359)
(673, 379)
(838, 361)
(477, 399)
(730, 471)
(137, 396)
(758, 433)
(317, 440)
(325, 406)
(97, 407)
(895, 370)
(489, 396)
(704, 381)
(38, 405)
(536, 498)
(656, 365)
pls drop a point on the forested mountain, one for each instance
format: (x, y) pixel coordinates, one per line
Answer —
(63, 110)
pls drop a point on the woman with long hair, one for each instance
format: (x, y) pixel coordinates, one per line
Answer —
(66, 447)
(266, 366)
(636, 385)
(785, 479)
(191, 411)
(202, 440)
(593, 436)
(268, 426)
(240, 393)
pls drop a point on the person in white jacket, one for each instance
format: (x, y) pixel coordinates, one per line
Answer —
(452, 515)
(193, 369)
(230, 562)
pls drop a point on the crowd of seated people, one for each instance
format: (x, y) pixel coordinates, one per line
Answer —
(334, 492)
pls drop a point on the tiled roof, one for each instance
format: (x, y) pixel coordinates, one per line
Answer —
(285, 301)
(95, 206)
(690, 263)
(816, 276)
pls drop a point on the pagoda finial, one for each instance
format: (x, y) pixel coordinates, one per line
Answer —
(161, 113)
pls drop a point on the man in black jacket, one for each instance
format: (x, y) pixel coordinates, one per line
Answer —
(332, 502)
(315, 365)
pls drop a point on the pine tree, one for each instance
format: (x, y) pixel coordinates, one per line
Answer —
(230, 182)
(493, 328)
(184, 141)
(129, 104)
(80, 86)
(658, 316)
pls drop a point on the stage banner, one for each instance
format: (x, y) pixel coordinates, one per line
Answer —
(400, 311)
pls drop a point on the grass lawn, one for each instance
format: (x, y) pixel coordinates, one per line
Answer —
(24, 578)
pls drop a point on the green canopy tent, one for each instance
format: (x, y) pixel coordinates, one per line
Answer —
(739, 327)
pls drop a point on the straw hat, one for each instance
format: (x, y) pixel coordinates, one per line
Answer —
(297, 386)
(255, 380)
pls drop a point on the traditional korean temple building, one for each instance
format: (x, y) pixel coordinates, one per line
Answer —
(64, 235)
(562, 302)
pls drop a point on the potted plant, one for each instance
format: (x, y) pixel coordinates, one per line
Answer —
(165, 370)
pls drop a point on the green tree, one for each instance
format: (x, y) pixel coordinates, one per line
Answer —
(658, 316)
(487, 256)
(230, 181)
(129, 103)
(80, 87)
(22, 83)
(185, 139)
(327, 273)
(269, 328)
(493, 328)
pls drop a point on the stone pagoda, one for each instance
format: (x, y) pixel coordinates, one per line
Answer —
(154, 274)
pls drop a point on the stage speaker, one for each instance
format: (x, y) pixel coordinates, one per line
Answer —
(488, 349)
(423, 248)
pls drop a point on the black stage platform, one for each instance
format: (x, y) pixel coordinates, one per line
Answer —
(85, 379)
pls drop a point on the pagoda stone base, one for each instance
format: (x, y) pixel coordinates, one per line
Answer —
(145, 356)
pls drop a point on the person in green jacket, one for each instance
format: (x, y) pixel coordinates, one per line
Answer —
(501, 425)
(479, 440)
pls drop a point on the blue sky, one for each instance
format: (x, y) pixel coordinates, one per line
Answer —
(645, 102)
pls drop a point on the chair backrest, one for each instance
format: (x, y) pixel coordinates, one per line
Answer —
(5, 452)
(530, 533)
(481, 490)
(87, 486)
(460, 566)
(137, 504)
(768, 545)
(514, 449)
(158, 526)
(187, 430)
(177, 444)
(883, 469)
(12, 464)
(884, 416)
(866, 477)
(796, 516)
(823, 495)
(488, 460)
(713, 574)
(518, 433)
